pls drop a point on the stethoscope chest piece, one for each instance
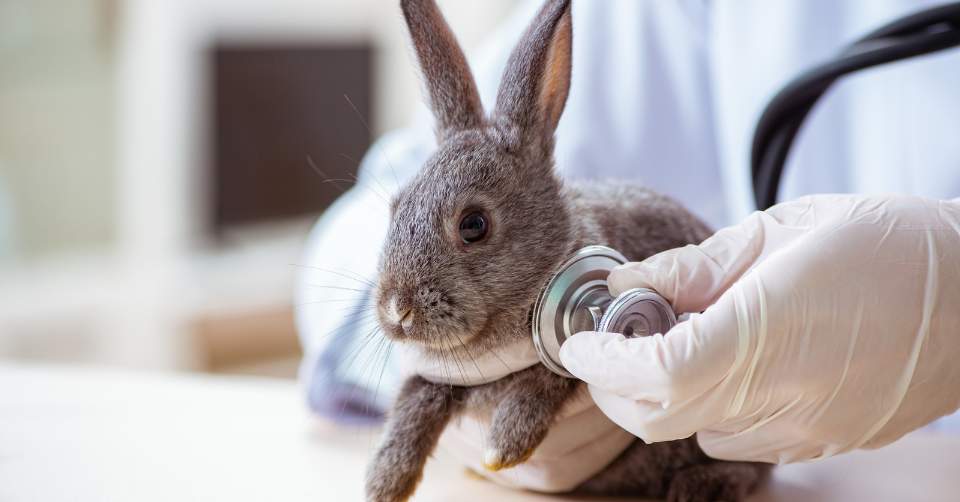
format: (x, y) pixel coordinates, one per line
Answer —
(638, 312)
(577, 299)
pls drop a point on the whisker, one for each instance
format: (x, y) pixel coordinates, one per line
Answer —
(354, 277)
(329, 300)
(366, 309)
(504, 363)
(327, 179)
(351, 321)
(370, 364)
(344, 288)
(385, 194)
(470, 354)
(385, 345)
(351, 159)
(350, 396)
(445, 367)
(370, 132)
(443, 362)
(322, 174)
(365, 341)
(459, 363)
(349, 309)
(331, 373)
(338, 180)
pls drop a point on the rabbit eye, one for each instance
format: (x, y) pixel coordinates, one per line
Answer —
(473, 227)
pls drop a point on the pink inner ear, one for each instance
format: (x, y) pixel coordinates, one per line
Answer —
(556, 81)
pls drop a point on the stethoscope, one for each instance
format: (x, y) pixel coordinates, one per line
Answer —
(576, 298)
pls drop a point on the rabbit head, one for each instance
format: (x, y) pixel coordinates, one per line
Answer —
(480, 228)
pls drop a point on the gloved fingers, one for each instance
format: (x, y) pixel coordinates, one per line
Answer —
(763, 444)
(688, 360)
(687, 277)
(653, 423)
(691, 278)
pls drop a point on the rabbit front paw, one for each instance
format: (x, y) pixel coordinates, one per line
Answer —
(511, 443)
(524, 416)
(391, 480)
(495, 459)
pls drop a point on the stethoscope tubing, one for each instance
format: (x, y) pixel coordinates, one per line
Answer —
(924, 32)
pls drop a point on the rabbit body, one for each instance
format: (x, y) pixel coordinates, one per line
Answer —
(639, 223)
(476, 234)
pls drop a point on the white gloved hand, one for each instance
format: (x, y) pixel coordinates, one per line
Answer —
(579, 444)
(829, 323)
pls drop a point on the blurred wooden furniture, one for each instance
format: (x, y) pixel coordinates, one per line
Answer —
(258, 342)
(87, 434)
(285, 119)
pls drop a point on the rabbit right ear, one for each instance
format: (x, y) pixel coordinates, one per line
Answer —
(537, 78)
(453, 92)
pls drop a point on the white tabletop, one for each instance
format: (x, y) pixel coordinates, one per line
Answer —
(70, 434)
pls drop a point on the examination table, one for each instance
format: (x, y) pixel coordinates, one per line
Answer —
(76, 434)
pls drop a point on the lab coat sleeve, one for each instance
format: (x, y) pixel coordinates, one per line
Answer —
(340, 371)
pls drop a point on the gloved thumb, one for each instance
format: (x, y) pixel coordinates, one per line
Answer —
(693, 277)
(690, 358)
(658, 387)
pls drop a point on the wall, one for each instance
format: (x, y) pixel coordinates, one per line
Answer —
(57, 131)
(103, 136)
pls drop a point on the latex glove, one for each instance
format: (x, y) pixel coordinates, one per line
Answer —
(829, 323)
(579, 444)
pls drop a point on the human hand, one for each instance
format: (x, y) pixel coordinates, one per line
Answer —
(829, 323)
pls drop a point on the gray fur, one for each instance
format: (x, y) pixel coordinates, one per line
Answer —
(449, 83)
(422, 411)
(471, 299)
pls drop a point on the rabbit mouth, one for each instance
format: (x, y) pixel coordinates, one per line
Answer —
(407, 327)
(446, 337)
(430, 318)
(445, 342)
(439, 338)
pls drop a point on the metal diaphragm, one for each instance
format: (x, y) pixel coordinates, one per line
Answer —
(577, 299)
(572, 301)
(638, 312)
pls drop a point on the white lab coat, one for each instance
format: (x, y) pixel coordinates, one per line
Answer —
(668, 93)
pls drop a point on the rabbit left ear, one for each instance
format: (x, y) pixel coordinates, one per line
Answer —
(453, 92)
(537, 79)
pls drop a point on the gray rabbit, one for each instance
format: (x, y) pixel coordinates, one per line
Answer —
(475, 235)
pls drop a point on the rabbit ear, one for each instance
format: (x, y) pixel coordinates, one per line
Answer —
(537, 79)
(453, 93)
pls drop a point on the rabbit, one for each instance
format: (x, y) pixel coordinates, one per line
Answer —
(475, 235)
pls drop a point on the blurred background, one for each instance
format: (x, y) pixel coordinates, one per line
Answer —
(156, 183)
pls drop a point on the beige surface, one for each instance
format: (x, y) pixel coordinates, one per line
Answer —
(88, 435)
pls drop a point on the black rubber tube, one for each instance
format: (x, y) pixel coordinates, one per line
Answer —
(927, 31)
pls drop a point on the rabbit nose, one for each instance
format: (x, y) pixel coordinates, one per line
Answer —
(402, 316)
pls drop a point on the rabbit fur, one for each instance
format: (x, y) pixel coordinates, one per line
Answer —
(459, 299)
